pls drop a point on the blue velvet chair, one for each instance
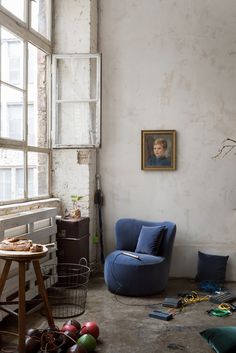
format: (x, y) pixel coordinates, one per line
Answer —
(147, 275)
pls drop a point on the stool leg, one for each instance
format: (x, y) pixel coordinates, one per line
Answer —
(21, 316)
(4, 275)
(43, 293)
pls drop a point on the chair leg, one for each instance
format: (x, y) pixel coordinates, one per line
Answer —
(21, 316)
(43, 293)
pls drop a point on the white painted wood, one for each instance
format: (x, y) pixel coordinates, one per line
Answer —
(39, 226)
(56, 137)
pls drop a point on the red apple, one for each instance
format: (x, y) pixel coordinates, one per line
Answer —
(91, 328)
(73, 322)
(69, 328)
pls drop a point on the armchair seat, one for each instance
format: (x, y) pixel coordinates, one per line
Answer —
(146, 275)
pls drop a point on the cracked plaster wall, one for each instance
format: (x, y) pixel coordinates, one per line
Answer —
(74, 171)
(171, 65)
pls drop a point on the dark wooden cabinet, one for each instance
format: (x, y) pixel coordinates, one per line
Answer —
(72, 240)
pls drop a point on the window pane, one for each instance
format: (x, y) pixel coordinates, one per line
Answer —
(15, 119)
(40, 10)
(11, 58)
(10, 162)
(5, 184)
(37, 93)
(11, 113)
(31, 126)
(19, 181)
(77, 78)
(76, 123)
(37, 174)
(17, 10)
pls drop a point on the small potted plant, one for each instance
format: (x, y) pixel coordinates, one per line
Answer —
(76, 213)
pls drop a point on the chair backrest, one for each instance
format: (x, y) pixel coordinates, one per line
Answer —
(128, 229)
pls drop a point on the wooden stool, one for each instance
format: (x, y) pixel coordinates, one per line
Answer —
(24, 257)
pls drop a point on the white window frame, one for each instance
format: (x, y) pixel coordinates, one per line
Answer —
(27, 34)
(56, 101)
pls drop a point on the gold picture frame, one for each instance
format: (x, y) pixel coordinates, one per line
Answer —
(158, 149)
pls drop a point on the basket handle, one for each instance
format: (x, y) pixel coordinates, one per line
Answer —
(83, 261)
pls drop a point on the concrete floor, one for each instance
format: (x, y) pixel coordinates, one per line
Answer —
(126, 327)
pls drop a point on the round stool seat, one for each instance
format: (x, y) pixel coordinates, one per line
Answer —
(23, 255)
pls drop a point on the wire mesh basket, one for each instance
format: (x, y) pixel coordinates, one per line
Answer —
(66, 286)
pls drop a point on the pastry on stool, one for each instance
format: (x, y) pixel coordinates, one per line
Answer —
(11, 244)
(36, 248)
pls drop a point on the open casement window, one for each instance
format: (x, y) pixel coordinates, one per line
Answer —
(76, 100)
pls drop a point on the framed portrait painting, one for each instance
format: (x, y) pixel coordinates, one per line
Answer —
(158, 149)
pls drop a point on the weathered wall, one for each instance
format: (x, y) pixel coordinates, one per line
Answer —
(171, 65)
(74, 23)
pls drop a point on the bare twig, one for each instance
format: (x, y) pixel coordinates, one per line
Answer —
(226, 147)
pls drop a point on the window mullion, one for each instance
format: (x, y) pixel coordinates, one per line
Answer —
(25, 174)
(25, 116)
(28, 13)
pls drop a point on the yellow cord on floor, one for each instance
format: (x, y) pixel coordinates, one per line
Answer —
(193, 298)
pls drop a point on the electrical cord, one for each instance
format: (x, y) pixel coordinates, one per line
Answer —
(193, 298)
(223, 309)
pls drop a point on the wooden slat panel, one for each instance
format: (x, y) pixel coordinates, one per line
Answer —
(22, 218)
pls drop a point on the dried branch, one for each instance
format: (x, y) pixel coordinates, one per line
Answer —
(226, 147)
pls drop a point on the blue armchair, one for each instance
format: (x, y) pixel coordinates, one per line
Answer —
(146, 275)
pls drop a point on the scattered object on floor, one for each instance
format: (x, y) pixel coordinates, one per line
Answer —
(193, 297)
(90, 327)
(211, 267)
(172, 303)
(125, 275)
(88, 342)
(209, 286)
(223, 309)
(219, 312)
(225, 297)
(161, 315)
(221, 339)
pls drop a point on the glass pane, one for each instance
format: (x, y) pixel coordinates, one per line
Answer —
(40, 15)
(37, 102)
(76, 123)
(11, 162)
(37, 174)
(17, 10)
(11, 113)
(77, 79)
(19, 181)
(11, 58)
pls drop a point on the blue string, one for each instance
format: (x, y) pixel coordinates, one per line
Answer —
(209, 286)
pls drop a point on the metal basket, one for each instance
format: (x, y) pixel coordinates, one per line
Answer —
(66, 286)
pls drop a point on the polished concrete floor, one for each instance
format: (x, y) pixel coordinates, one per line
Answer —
(125, 325)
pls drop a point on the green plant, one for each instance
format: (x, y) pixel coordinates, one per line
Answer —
(75, 199)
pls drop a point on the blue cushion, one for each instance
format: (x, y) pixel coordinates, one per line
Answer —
(149, 240)
(221, 339)
(211, 267)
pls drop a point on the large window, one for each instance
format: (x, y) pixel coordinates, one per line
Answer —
(25, 152)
